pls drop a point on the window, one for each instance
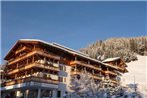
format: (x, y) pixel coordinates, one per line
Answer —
(58, 94)
(60, 79)
(64, 79)
(63, 68)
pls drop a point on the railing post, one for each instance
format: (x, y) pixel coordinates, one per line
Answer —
(34, 47)
(18, 94)
(100, 74)
(39, 93)
(92, 71)
(33, 59)
(75, 58)
(26, 93)
(15, 76)
(88, 62)
(75, 68)
(25, 73)
(31, 72)
(27, 61)
(17, 65)
(54, 92)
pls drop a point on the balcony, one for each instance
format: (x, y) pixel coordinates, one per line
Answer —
(84, 64)
(110, 72)
(112, 66)
(75, 73)
(22, 49)
(115, 67)
(120, 68)
(98, 77)
(46, 66)
(114, 81)
(29, 66)
(28, 79)
(33, 53)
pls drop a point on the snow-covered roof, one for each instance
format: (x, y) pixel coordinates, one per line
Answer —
(72, 51)
(111, 59)
(115, 67)
(69, 50)
(55, 44)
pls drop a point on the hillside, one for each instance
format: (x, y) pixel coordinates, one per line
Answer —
(127, 48)
(137, 73)
(132, 50)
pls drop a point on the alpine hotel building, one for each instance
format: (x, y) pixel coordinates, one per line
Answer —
(38, 69)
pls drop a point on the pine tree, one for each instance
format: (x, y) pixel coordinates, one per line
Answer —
(84, 84)
(126, 48)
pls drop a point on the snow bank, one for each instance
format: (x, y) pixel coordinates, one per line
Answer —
(138, 73)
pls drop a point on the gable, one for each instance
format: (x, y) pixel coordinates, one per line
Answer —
(18, 47)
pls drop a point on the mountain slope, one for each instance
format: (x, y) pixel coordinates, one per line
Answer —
(126, 48)
(132, 50)
(137, 73)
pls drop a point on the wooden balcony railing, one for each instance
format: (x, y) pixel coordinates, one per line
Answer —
(46, 54)
(110, 72)
(31, 66)
(75, 72)
(115, 67)
(112, 66)
(22, 49)
(122, 69)
(47, 66)
(29, 79)
(84, 64)
(114, 81)
(22, 58)
(32, 53)
(93, 75)
(97, 77)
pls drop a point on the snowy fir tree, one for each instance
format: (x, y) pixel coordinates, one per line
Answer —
(84, 86)
(126, 48)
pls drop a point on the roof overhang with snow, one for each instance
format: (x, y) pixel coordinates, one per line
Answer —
(55, 45)
(111, 59)
(63, 48)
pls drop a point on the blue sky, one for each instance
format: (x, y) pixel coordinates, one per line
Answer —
(73, 24)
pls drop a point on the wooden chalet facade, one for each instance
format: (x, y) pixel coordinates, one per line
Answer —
(38, 69)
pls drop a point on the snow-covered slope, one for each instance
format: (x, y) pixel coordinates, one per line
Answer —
(138, 73)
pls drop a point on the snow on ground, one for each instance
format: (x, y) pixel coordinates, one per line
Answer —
(138, 72)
